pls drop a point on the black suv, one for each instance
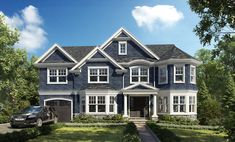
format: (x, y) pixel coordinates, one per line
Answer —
(34, 115)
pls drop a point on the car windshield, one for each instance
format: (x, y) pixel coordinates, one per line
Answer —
(31, 110)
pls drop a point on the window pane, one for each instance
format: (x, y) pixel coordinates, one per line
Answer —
(62, 79)
(182, 99)
(103, 71)
(93, 71)
(92, 108)
(143, 71)
(93, 78)
(52, 72)
(62, 71)
(179, 70)
(101, 99)
(182, 108)
(111, 108)
(92, 99)
(143, 79)
(175, 99)
(135, 71)
(103, 78)
(179, 77)
(134, 79)
(53, 79)
(111, 100)
(101, 108)
(175, 107)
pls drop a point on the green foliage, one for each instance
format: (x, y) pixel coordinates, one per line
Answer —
(209, 112)
(19, 78)
(163, 134)
(177, 120)
(27, 133)
(84, 118)
(214, 16)
(4, 119)
(131, 133)
(228, 98)
(229, 124)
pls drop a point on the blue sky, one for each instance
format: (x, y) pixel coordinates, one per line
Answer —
(83, 22)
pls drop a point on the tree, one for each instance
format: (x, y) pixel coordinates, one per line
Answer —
(228, 99)
(216, 16)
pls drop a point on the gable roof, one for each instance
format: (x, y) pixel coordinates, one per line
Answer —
(146, 86)
(122, 30)
(51, 51)
(91, 54)
(169, 51)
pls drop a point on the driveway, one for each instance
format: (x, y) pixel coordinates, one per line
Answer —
(6, 128)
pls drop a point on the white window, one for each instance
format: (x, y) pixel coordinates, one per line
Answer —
(111, 103)
(192, 74)
(179, 104)
(179, 73)
(92, 104)
(139, 74)
(163, 104)
(191, 103)
(122, 48)
(162, 75)
(57, 76)
(101, 104)
(98, 75)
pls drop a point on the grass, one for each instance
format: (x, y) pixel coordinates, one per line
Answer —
(83, 134)
(189, 135)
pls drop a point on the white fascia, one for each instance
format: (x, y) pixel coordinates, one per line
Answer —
(51, 51)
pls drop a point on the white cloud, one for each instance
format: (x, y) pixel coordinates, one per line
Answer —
(29, 23)
(159, 15)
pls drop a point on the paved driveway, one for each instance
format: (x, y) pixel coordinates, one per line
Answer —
(6, 128)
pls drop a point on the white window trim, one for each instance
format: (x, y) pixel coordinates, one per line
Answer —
(193, 82)
(192, 104)
(179, 65)
(139, 73)
(107, 103)
(119, 47)
(178, 104)
(166, 82)
(98, 67)
(48, 76)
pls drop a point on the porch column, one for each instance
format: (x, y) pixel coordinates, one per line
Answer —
(154, 116)
(125, 106)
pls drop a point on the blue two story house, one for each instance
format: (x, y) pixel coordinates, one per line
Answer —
(121, 76)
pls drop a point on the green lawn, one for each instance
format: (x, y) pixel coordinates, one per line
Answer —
(83, 134)
(188, 135)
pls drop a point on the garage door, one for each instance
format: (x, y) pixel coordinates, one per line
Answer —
(62, 108)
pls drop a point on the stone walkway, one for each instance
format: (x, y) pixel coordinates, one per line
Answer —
(145, 134)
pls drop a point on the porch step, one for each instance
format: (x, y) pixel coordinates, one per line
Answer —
(138, 120)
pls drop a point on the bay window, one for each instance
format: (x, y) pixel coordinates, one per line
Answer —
(179, 74)
(139, 74)
(162, 75)
(98, 75)
(57, 76)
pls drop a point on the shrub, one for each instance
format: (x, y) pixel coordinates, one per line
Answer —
(163, 134)
(83, 118)
(28, 133)
(177, 120)
(131, 133)
(4, 119)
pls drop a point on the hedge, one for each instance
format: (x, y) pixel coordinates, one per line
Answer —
(4, 119)
(130, 133)
(163, 134)
(28, 133)
(177, 120)
(84, 118)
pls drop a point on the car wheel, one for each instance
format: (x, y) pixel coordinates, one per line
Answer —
(39, 122)
(55, 120)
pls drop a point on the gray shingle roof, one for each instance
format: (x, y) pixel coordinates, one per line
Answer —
(168, 51)
(78, 52)
(164, 51)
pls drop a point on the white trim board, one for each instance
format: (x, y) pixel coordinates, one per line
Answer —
(65, 99)
(51, 50)
(91, 54)
(118, 32)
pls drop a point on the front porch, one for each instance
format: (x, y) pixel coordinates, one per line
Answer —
(140, 101)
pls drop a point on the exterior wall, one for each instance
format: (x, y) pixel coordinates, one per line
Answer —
(57, 57)
(133, 52)
(50, 87)
(81, 81)
(176, 86)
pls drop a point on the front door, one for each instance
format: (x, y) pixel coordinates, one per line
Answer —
(139, 106)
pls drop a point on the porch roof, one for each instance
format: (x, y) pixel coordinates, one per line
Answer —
(140, 88)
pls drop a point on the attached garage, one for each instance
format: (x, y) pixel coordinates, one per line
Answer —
(63, 108)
